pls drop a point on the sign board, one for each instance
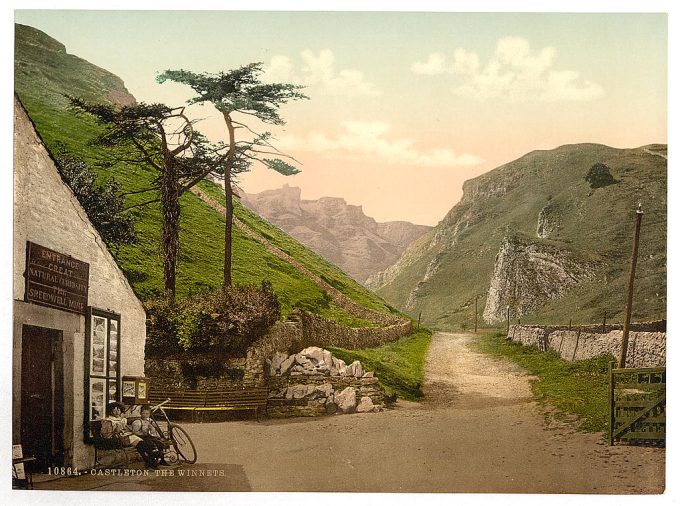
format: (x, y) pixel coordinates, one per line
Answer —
(56, 280)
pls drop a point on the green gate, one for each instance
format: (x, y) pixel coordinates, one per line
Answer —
(637, 405)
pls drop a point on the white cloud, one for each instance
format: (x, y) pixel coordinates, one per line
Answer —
(370, 138)
(513, 73)
(435, 64)
(318, 72)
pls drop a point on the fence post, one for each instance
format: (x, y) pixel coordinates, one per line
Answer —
(476, 297)
(611, 403)
(631, 280)
(604, 321)
(507, 317)
(569, 324)
(419, 315)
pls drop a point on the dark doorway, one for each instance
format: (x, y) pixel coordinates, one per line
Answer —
(41, 395)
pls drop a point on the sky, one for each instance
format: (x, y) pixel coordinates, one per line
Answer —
(403, 106)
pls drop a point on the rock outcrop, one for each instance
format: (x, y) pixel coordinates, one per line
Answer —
(548, 221)
(313, 383)
(338, 231)
(527, 274)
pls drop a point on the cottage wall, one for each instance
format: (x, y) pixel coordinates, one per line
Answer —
(47, 213)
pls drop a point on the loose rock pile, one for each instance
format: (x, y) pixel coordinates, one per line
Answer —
(312, 366)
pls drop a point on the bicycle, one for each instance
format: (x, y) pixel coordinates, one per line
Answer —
(175, 436)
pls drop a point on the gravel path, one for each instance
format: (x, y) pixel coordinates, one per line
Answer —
(478, 431)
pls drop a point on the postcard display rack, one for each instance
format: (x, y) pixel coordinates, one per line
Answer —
(102, 367)
(135, 390)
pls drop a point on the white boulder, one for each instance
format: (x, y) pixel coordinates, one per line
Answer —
(346, 400)
(276, 362)
(339, 367)
(355, 369)
(365, 405)
(286, 365)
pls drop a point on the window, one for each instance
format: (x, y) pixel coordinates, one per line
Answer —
(102, 364)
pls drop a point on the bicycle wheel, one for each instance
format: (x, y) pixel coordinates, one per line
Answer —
(183, 444)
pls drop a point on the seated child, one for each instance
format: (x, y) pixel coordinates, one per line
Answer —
(115, 424)
(151, 444)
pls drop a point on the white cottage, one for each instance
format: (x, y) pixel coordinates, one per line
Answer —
(78, 326)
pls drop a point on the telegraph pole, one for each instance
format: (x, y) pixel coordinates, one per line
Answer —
(631, 279)
(476, 297)
(507, 317)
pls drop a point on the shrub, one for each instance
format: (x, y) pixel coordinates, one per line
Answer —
(599, 175)
(218, 321)
(103, 203)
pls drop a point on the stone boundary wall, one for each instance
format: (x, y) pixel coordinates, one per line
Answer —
(306, 395)
(645, 348)
(650, 326)
(305, 329)
(190, 374)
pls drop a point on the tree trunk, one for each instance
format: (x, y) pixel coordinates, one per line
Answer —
(170, 239)
(229, 203)
(228, 225)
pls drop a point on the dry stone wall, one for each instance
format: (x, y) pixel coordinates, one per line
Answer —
(305, 329)
(313, 383)
(645, 348)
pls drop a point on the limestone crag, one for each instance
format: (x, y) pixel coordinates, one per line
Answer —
(313, 383)
(527, 274)
(548, 221)
(336, 230)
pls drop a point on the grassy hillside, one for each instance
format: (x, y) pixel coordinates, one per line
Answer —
(595, 223)
(44, 72)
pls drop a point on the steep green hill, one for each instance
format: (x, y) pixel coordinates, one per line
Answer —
(44, 72)
(534, 234)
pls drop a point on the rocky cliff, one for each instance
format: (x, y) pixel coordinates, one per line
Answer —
(528, 273)
(338, 231)
(533, 235)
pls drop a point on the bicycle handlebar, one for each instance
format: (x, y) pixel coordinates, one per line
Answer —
(153, 409)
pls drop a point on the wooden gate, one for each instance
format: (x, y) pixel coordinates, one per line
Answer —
(637, 405)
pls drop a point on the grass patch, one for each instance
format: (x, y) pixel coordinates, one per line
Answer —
(399, 365)
(579, 388)
(341, 316)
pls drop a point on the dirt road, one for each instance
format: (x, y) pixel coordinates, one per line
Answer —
(479, 431)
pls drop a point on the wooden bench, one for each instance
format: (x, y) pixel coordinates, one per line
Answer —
(115, 443)
(198, 402)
